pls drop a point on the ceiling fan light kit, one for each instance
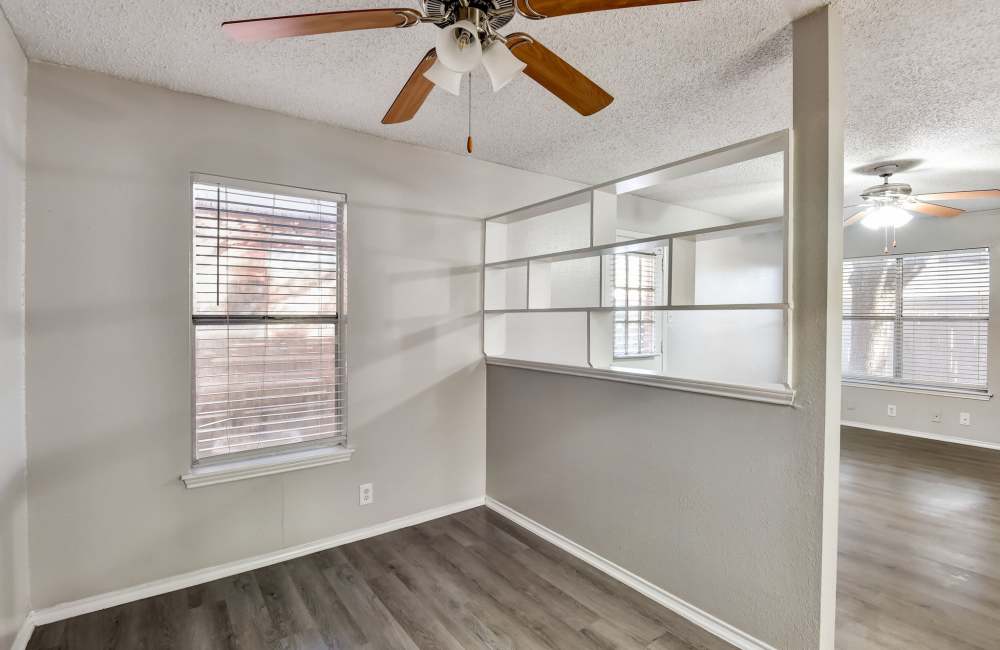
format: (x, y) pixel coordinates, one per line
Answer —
(887, 216)
(892, 205)
(458, 47)
(444, 78)
(501, 64)
(467, 38)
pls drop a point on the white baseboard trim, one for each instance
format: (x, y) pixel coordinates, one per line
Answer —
(182, 581)
(24, 634)
(922, 434)
(699, 617)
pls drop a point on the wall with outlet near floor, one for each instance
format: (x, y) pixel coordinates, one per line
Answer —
(108, 336)
(936, 415)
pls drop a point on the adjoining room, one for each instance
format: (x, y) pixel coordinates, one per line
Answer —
(572, 324)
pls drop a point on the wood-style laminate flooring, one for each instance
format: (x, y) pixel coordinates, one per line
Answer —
(919, 569)
(471, 580)
(919, 561)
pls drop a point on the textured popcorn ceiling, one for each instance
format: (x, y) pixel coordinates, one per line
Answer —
(922, 79)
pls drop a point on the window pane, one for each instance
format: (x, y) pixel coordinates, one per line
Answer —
(634, 271)
(257, 253)
(867, 348)
(621, 347)
(870, 286)
(621, 279)
(945, 352)
(633, 338)
(947, 284)
(265, 384)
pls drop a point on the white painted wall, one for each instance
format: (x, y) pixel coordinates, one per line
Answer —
(640, 214)
(914, 410)
(14, 602)
(108, 378)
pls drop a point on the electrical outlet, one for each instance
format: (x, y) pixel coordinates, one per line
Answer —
(892, 410)
(964, 419)
(366, 494)
(936, 417)
(849, 405)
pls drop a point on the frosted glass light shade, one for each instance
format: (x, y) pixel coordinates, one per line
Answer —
(885, 217)
(443, 78)
(459, 59)
(501, 64)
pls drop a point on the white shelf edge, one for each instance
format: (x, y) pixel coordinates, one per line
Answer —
(222, 472)
(764, 145)
(783, 396)
(772, 306)
(634, 244)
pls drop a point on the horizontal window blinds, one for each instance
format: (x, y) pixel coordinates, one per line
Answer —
(633, 277)
(918, 319)
(267, 361)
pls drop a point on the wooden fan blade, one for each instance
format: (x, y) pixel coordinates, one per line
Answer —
(413, 93)
(932, 210)
(961, 196)
(537, 9)
(259, 29)
(558, 77)
(856, 217)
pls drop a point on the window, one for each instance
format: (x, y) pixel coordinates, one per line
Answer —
(634, 276)
(266, 304)
(918, 320)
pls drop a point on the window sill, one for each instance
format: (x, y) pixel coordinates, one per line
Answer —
(921, 390)
(238, 470)
(769, 394)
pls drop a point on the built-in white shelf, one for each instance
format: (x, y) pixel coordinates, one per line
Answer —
(748, 306)
(649, 244)
(723, 291)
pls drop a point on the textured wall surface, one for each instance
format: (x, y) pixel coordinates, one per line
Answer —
(14, 602)
(914, 410)
(109, 384)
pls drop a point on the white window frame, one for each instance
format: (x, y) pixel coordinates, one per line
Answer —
(899, 319)
(253, 463)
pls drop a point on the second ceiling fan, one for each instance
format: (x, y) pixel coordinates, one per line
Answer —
(468, 38)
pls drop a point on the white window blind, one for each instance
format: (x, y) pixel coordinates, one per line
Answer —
(268, 366)
(634, 278)
(919, 319)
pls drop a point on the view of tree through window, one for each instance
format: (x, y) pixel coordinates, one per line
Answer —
(917, 319)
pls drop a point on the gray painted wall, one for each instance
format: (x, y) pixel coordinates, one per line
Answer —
(108, 377)
(14, 603)
(729, 505)
(914, 410)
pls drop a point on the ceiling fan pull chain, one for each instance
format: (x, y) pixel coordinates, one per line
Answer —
(468, 142)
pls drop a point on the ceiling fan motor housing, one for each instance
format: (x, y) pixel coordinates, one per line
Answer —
(445, 12)
(887, 193)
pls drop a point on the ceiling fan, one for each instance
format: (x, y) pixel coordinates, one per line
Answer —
(467, 38)
(891, 205)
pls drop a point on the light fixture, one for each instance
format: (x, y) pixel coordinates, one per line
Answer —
(886, 216)
(458, 47)
(444, 78)
(501, 64)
